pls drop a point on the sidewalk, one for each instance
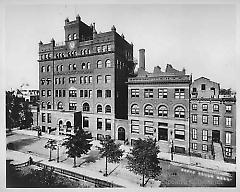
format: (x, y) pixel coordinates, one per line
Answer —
(19, 157)
(190, 162)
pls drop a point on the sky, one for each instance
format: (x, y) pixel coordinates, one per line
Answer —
(198, 37)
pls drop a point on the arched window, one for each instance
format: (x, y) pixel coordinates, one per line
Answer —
(48, 105)
(86, 107)
(89, 51)
(69, 126)
(88, 65)
(99, 108)
(148, 110)
(134, 109)
(61, 68)
(108, 109)
(108, 63)
(83, 66)
(74, 67)
(43, 69)
(121, 134)
(57, 68)
(48, 68)
(43, 105)
(56, 55)
(60, 105)
(99, 64)
(85, 51)
(74, 36)
(81, 80)
(86, 79)
(49, 55)
(69, 67)
(81, 52)
(162, 111)
(69, 37)
(62, 54)
(179, 112)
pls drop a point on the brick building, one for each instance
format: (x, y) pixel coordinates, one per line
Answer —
(87, 73)
(88, 81)
(159, 106)
(213, 121)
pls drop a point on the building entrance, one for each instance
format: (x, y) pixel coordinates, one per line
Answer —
(216, 136)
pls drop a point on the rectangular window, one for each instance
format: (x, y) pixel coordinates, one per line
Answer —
(99, 79)
(108, 79)
(48, 81)
(228, 138)
(90, 79)
(85, 122)
(56, 93)
(228, 152)
(134, 92)
(56, 80)
(72, 106)
(194, 107)
(99, 93)
(49, 93)
(179, 94)
(63, 80)
(162, 93)
(203, 87)
(90, 93)
(104, 48)
(148, 128)
(162, 124)
(148, 93)
(109, 47)
(99, 123)
(204, 147)
(43, 117)
(204, 107)
(72, 93)
(215, 120)
(81, 93)
(194, 146)
(134, 126)
(49, 118)
(194, 118)
(72, 79)
(98, 49)
(228, 108)
(215, 108)
(205, 135)
(194, 134)
(180, 134)
(228, 121)
(162, 134)
(108, 124)
(43, 93)
(205, 119)
(64, 93)
(85, 93)
(108, 93)
(60, 93)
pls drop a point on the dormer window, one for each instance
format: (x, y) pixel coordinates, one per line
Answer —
(74, 36)
(69, 37)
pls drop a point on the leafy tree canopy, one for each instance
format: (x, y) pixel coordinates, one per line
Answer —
(143, 159)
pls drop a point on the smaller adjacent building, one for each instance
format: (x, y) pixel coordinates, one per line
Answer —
(213, 121)
(158, 107)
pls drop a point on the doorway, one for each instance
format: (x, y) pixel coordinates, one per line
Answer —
(216, 136)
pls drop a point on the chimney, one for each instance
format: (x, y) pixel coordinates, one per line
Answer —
(142, 59)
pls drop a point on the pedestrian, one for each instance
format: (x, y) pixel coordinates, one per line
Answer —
(30, 160)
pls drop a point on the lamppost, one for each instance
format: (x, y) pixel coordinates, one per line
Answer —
(172, 146)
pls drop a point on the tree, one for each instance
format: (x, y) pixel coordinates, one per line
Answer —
(110, 151)
(143, 159)
(51, 145)
(18, 112)
(78, 144)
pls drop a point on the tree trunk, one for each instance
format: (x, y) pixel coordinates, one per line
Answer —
(106, 167)
(50, 154)
(143, 181)
(74, 161)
